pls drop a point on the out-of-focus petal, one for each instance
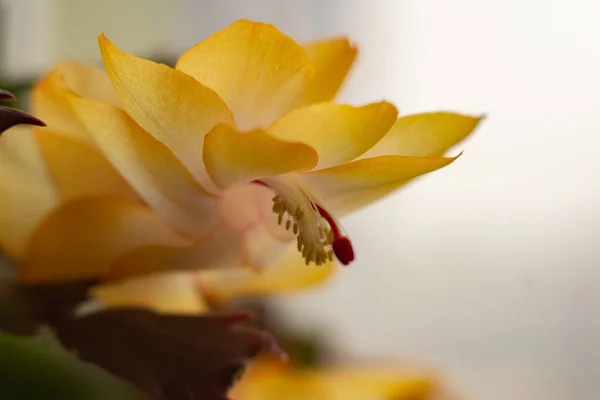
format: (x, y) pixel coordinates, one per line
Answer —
(371, 174)
(27, 192)
(149, 166)
(267, 379)
(332, 60)
(255, 68)
(81, 239)
(220, 249)
(339, 133)
(175, 292)
(49, 103)
(263, 248)
(424, 135)
(288, 273)
(231, 156)
(173, 107)
(79, 170)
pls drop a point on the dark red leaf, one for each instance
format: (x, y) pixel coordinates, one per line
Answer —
(6, 96)
(10, 117)
(174, 357)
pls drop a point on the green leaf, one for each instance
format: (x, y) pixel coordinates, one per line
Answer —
(39, 367)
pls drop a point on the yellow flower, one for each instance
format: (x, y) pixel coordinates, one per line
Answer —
(219, 162)
(268, 379)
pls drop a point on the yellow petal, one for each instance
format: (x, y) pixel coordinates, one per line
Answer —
(346, 203)
(289, 273)
(79, 170)
(254, 67)
(222, 248)
(81, 239)
(332, 60)
(339, 133)
(371, 174)
(152, 169)
(232, 157)
(175, 292)
(423, 135)
(266, 379)
(173, 107)
(50, 104)
(377, 382)
(27, 192)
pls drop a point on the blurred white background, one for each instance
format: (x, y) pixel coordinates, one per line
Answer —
(488, 270)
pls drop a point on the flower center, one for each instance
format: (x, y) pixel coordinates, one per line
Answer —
(319, 236)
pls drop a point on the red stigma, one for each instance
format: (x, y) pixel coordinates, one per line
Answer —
(342, 248)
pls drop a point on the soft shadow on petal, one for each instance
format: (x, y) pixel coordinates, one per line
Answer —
(372, 174)
(423, 135)
(82, 239)
(49, 103)
(254, 67)
(288, 273)
(339, 133)
(220, 249)
(348, 202)
(173, 292)
(332, 60)
(263, 248)
(231, 156)
(79, 170)
(27, 192)
(173, 107)
(149, 167)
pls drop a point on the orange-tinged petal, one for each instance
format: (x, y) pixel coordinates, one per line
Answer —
(175, 292)
(332, 60)
(423, 135)
(27, 192)
(79, 170)
(231, 156)
(81, 239)
(289, 273)
(371, 174)
(49, 102)
(173, 107)
(221, 249)
(149, 166)
(339, 133)
(254, 67)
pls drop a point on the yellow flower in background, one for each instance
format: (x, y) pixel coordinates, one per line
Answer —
(234, 158)
(271, 379)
